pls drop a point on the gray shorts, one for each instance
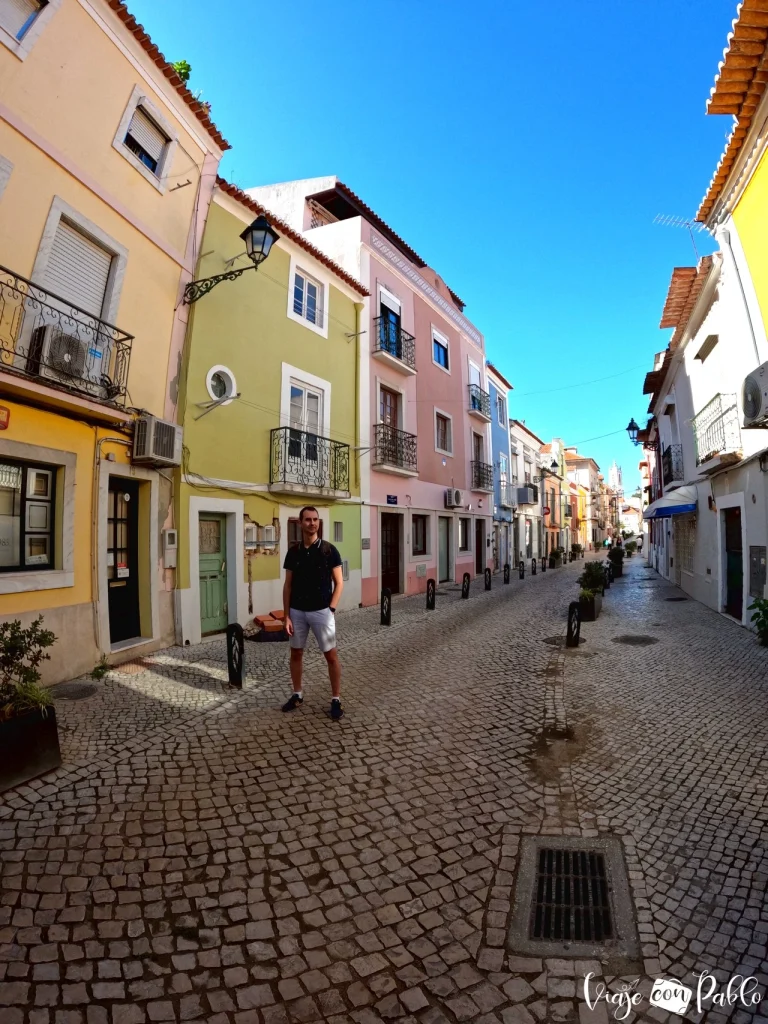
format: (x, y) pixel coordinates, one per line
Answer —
(322, 623)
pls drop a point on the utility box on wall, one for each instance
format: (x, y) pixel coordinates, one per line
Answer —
(757, 573)
(170, 548)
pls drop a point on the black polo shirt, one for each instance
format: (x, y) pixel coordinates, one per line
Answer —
(312, 581)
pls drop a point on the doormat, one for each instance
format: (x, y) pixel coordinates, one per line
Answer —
(573, 899)
(73, 691)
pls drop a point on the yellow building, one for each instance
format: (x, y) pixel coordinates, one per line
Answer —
(107, 163)
(270, 386)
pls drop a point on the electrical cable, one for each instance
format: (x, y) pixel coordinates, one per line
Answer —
(583, 384)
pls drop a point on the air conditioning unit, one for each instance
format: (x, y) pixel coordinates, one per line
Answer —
(527, 495)
(754, 397)
(82, 362)
(454, 498)
(157, 442)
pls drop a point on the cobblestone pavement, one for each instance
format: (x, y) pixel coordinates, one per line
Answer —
(202, 857)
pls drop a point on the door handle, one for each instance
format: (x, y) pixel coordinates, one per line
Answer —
(223, 566)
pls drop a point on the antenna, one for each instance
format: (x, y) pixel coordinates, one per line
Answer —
(668, 220)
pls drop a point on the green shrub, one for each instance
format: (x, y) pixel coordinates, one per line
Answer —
(759, 609)
(586, 595)
(21, 652)
(592, 577)
(100, 670)
(616, 554)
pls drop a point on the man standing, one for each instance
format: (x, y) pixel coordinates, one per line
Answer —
(311, 595)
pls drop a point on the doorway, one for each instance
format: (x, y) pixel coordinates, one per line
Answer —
(390, 551)
(734, 564)
(479, 546)
(123, 559)
(443, 549)
(214, 613)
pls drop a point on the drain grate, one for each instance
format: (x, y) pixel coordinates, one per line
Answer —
(73, 691)
(675, 598)
(571, 899)
(639, 640)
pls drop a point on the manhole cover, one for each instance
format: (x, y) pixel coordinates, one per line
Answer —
(675, 598)
(559, 641)
(573, 899)
(73, 691)
(635, 641)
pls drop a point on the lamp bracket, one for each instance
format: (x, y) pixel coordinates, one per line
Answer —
(195, 290)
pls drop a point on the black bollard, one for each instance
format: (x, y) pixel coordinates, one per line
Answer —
(235, 651)
(543, 563)
(570, 556)
(386, 607)
(606, 579)
(506, 572)
(430, 595)
(533, 567)
(611, 574)
(465, 581)
(574, 625)
(521, 569)
(487, 579)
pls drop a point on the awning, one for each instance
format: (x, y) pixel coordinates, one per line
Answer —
(676, 503)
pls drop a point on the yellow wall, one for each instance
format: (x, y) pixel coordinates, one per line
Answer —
(750, 217)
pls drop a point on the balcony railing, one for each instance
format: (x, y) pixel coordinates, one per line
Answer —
(393, 447)
(307, 462)
(479, 401)
(45, 338)
(482, 476)
(716, 429)
(508, 493)
(672, 463)
(390, 338)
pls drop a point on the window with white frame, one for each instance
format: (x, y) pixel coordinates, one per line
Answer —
(420, 540)
(501, 410)
(146, 140)
(17, 16)
(440, 352)
(308, 298)
(465, 534)
(443, 434)
(27, 515)
(338, 532)
(685, 539)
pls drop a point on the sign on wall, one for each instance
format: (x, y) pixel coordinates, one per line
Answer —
(391, 499)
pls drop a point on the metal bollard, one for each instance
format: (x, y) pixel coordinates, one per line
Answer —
(386, 607)
(487, 578)
(506, 572)
(235, 652)
(606, 579)
(574, 625)
(465, 581)
(521, 569)
(611, 574)
(430, 595)
(543, 563)
(533, 567)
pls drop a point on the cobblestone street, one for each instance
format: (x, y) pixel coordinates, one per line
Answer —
(202, 856)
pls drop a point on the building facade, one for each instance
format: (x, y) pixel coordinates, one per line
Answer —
(504, 482)
(525, 462)
(427, 483)
(103, 198)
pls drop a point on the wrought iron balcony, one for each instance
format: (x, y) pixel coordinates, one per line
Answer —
(390, 339)
(482, 476)
(716, 430)
(394, 449)
(479, 402)
(672, 463)
(567, 510)
(508, 493)
(307, 463)
(45, 338)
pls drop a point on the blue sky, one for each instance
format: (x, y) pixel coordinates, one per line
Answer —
(522, 149)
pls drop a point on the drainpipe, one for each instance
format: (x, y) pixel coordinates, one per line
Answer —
(725, 235)
(359, 307)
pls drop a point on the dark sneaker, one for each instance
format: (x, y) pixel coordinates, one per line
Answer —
(337, 711)
(293, 702)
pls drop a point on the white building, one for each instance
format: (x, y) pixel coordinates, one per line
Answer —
(709, 471)
(525, 463)
(585, 471)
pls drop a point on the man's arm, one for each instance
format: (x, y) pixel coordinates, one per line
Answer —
(287, 601)
(338, 586)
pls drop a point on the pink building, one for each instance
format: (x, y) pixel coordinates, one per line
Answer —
(424, 446)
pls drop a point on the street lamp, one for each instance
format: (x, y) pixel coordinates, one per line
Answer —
(259, 237)
(633, 430)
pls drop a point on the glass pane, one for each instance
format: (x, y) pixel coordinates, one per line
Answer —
(298, 295)
(311, 302)
(122, 535)
(210, 536)
(37, 549)
(297, 406)
(218, 385)
(313, 412)
(10, 511)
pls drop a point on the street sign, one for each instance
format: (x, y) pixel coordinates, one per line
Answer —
(546, 510)
(391, 499)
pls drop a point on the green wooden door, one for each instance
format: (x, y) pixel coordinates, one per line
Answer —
(213, 574)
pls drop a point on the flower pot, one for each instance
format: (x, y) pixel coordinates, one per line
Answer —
(552, 562)
(589, 607)
(30, 747)
(618, 569)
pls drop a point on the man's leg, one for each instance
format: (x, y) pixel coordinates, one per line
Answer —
(298, 640)
(334, 671)
(297, 664)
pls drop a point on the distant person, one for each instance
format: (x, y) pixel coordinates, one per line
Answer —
(639, 543)
(311, 595)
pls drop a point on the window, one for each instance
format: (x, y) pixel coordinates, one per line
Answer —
(146, 141)
(27, 514)
(338, 532)
(709, 343)
(465, 534)
(440, 353)
(221, 384)
(420, 527)
(443, 439)
(500, 410)
(78, 269)
(503, 466)
(685, 539)
(389, 407)
(16, 16)
(308, 298)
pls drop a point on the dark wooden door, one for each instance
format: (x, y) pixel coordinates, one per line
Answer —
(123, 559)
(479, 546)
(390, 552)
(734, 564)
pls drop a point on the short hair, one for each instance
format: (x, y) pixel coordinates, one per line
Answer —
(308, 508)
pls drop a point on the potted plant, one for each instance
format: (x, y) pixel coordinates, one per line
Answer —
(759, 609)
(630, 547)
(29, 739)
(616, 556)
(590, 603)
(592, 577)
(552, 560)
(576, 549)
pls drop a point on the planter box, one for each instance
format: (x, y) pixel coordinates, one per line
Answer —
(618, 569)
(29, 746)
(552, 562)
(590, 607)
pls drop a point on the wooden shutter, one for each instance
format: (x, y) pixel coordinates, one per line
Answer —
(14, 14)
(78, 269)
(147, 134)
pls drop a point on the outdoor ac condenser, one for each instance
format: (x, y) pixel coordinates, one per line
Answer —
(755, 397)
(157, 442)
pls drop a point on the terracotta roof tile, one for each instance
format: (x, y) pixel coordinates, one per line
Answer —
(283, 228)
(677, 295)
(200, 110)
(739, 86)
